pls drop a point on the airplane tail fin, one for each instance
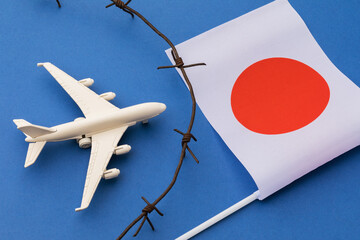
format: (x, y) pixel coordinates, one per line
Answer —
(32, 130)
(33, 152)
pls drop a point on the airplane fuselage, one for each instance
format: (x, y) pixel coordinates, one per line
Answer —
(99, 123)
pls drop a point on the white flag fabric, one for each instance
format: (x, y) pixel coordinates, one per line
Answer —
(272, 94)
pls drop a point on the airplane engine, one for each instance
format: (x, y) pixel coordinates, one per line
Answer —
(111, 173)
(123, 149)
(108, 96)
(87, 82)
(84, 142)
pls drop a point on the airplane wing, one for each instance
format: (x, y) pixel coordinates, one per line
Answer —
(88, 101)
(103, 145)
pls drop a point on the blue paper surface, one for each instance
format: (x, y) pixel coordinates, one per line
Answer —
(121, 54)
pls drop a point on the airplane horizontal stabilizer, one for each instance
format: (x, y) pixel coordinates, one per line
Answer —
(33, 152)
(80, 208)
(32, 130)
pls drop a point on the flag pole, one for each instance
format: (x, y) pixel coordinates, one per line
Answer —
(219, 216)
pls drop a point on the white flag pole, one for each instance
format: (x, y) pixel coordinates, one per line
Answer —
(219, 216)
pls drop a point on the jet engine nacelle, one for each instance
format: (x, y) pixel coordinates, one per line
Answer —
(87, 82)
(84, 142)
(108, 96)
(123, 149)
(111, 173)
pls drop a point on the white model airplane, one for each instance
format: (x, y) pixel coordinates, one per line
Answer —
(103, 126)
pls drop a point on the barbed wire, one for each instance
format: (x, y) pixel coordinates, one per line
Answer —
(187, 136)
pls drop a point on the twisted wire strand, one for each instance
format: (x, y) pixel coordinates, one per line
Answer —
(187, 136)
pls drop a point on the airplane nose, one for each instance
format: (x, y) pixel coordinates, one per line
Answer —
(162, 107)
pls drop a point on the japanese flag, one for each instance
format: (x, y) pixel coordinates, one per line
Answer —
(272, 94)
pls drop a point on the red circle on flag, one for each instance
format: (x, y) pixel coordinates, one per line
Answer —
(278, 95)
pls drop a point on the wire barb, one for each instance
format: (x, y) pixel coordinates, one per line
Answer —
(150, 207)
(180, 64)
(147, 210)
(185, 140)
(120, 4)
(58, 2)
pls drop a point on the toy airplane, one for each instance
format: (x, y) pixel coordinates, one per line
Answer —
(103, 126)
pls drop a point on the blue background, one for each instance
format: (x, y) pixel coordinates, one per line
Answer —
(121, 54)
